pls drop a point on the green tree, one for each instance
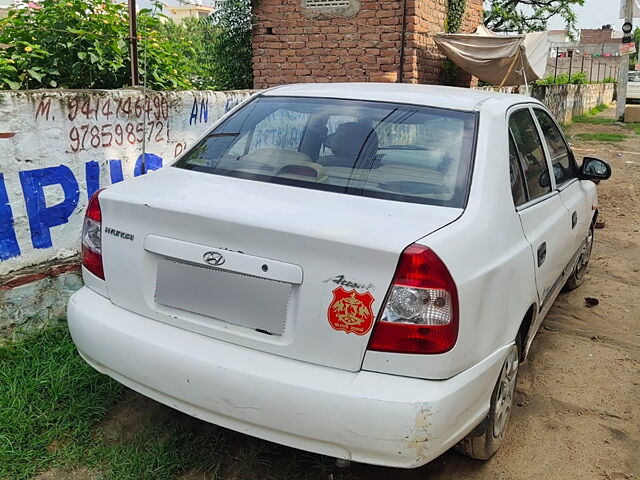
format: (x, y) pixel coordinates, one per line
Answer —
(528, 15)
(83, 44)
(231, 47)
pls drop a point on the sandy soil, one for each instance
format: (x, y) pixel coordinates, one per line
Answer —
(578, 400)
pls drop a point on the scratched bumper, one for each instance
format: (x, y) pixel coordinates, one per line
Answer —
(362, 416)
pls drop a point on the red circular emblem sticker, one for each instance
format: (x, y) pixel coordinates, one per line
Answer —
(351, 311)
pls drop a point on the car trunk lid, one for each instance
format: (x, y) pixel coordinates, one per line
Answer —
(291, 271)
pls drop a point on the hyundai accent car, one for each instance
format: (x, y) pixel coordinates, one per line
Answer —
(355, 270)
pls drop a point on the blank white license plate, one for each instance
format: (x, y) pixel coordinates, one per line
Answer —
(252, 302)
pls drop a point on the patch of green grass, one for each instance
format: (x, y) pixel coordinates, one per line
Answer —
(49, 399)
(51, 403)
(602, 137)
(592, 120)
(598, 109)
(635, 127)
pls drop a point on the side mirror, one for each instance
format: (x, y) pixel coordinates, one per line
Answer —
(594, 169)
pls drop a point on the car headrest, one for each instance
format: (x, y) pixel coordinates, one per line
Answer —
(348, 140)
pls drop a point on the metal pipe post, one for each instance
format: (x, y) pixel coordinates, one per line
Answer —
(623, 73)
(570, 65)
(133, 44)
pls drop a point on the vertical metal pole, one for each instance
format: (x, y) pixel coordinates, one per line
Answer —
(570, 65)
(598, 72)
(623, 73)
(591, 71)
(582, 64)
(133, 44)
(555, 71)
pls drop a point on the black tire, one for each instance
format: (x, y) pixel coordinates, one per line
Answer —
(580, 270)
(487, 437)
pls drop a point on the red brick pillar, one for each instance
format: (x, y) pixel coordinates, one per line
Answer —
(359, 40)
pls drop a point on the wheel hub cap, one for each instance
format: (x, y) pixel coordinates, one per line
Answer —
(506, 389)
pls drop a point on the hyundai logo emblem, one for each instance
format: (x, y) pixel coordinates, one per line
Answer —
(213, 258)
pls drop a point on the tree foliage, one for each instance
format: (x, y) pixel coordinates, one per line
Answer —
(528, 15)
(231, 49)
(84, 44)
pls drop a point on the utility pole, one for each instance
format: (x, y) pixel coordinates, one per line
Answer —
(623, 73)
(133, 44)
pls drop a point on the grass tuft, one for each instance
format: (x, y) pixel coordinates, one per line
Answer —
(635, 127)
(49, 400)
(592, 120)
(51, 406)
(602, 137)
(598, 109)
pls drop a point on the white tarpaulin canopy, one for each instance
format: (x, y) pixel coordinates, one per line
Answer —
(498, 59)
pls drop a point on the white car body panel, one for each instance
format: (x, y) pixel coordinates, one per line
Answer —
(313, 387)
(361, 416)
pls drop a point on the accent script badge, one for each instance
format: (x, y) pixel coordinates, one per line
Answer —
(351, 311)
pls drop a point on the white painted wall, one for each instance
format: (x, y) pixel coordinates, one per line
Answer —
(79, 139)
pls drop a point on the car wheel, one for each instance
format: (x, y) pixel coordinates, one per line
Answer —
(580, 270)
(487, 437)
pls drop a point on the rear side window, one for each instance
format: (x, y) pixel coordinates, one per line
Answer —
(564, 167)
(531, 153)
(374, 149)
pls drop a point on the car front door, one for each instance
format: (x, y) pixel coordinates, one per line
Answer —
(546, 222)
(576, 195)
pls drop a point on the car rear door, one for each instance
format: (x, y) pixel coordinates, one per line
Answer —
(575, 195)
(546, 222)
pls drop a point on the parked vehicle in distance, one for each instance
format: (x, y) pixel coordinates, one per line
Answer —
(633, 86)
(356, 270)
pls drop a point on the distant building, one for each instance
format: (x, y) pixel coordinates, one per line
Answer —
(606, 34)
(559, 36)
(180, 13)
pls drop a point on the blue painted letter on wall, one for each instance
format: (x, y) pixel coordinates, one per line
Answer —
(41, 217)
(9, 247)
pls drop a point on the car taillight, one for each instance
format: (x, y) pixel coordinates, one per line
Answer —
(91, 237)
(421, 310)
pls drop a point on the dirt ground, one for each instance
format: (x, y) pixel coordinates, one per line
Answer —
(577, 413)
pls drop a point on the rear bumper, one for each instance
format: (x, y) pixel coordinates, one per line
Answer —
(363, 416)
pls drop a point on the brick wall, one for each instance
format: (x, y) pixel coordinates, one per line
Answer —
(590, 36)
(292, 44)
(424, 63)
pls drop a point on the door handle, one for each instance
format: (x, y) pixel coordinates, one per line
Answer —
(574, 219)
(542, 253)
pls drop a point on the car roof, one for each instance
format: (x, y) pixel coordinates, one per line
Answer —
(456, 98)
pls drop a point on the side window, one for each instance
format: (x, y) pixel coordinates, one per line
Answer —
(564, 167)
(529, 146)
(515, 172)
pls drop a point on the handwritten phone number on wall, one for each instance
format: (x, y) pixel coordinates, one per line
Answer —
(88, 136)
(156, 108)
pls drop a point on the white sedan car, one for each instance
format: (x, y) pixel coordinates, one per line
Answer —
(356, 270)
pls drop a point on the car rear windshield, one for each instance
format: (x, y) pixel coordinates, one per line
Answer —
(634, 77)
(374, 149)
